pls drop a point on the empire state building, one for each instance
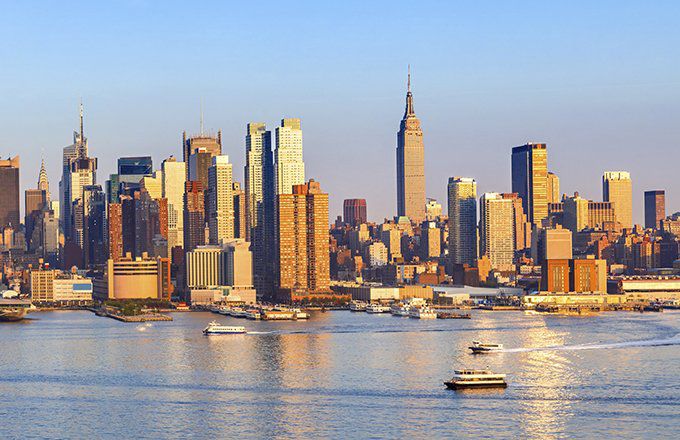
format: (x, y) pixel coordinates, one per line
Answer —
(410, 164)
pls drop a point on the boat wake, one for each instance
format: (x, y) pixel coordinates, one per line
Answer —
(675, 340)
(259, 333)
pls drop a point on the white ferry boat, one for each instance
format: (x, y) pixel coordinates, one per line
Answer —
(422, 313)
(357, 306)
(215, 328)
(377, 308)
(484, 347)
(238, 312)
(253, 314)
(301, 314)
(476, 379)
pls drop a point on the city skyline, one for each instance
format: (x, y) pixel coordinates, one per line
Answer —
(601, 103)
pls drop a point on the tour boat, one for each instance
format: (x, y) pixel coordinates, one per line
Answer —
(484, 347)
(377, 308)
(357, 306)
(278, 315)
(422, 313)
(476, 379)
(215, 328)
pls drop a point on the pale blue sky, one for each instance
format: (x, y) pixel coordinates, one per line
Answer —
(599, 83)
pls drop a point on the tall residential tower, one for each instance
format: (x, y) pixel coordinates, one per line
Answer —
(462, 220)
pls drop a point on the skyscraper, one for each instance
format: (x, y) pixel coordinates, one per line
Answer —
(260, 204)
(496, 230)
(462, 195)
(80, 172)
(553, 188)
(302, 239)
(530, 179)
(95, 238)
(35, 200)
(410, 164)
(655, 208)
(618, 189)
(211, 144)
(131, 170)
(173, 176)
(354, 211)
(220, 200)
(290, 167)
(9, 196)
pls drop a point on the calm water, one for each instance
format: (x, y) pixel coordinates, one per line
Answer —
(339, 375)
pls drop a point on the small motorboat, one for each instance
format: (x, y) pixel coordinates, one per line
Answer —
(484, 347)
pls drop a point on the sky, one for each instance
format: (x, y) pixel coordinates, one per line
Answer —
(597, 81)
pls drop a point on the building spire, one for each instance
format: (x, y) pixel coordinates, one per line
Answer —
(43, 184)
(409, 97)
(409, 79)
(201, 117)
(81, 144)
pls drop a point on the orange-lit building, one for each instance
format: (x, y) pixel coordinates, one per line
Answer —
(303, 260)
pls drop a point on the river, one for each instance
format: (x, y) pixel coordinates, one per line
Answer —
(68, 374)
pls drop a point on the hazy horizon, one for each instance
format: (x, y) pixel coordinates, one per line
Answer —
(594, 82)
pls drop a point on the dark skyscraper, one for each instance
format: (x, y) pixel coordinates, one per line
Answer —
(135, 166)
(260, 209)
(194, 216)
(530, 179)
(9, 195)
(130, 171)
(94, 231)
(35, 202)
(655, 208)
(354, 211)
